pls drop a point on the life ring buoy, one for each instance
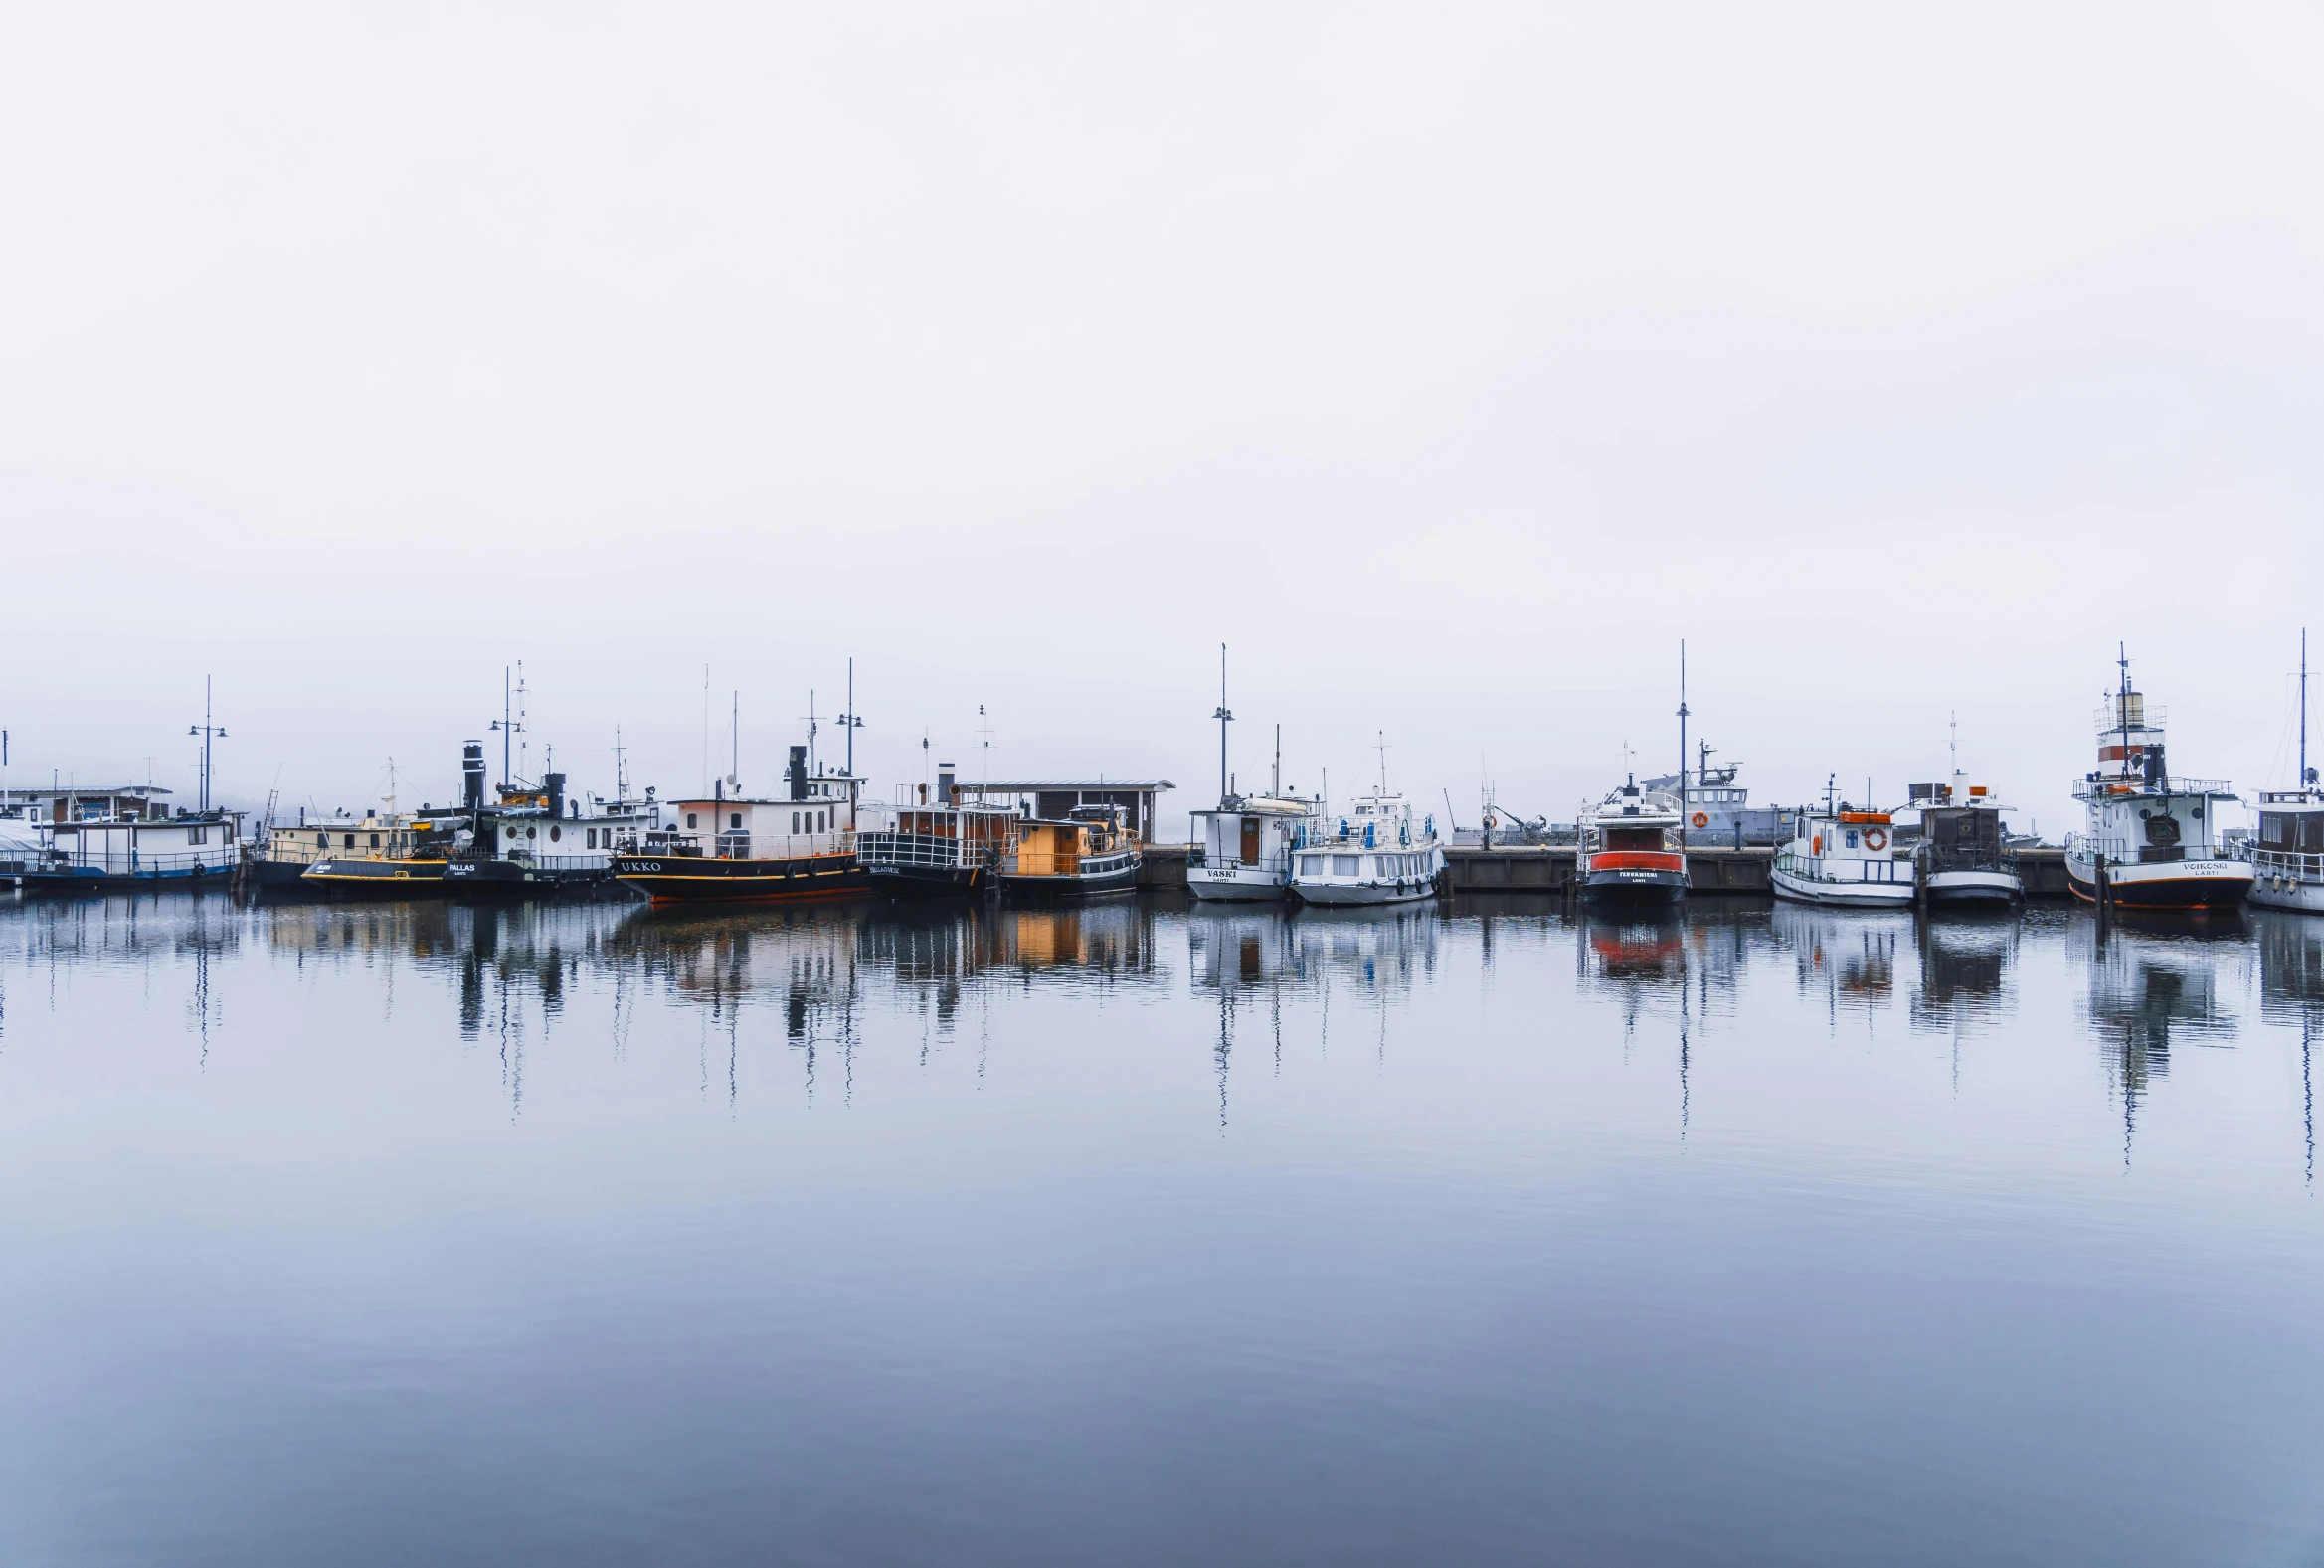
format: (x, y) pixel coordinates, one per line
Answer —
(1873, 838)
(1701, 819)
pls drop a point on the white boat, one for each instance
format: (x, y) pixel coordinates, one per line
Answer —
(1964, 856)
(2148, 836)
(1846, 857)
(1630, 846)
(2288, 858)
(1376, 855)
(1243, 847)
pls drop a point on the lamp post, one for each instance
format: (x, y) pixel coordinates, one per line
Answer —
(207, 732)
(851, 720)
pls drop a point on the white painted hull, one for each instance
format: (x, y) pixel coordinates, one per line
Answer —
(1974, 887)
(2163, 884)
(2293, 893)
(1842, 895)
(1236, 884)
(1343, 894)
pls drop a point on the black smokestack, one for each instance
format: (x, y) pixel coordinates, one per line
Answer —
(2154, 764)
(472, 774)
(555, 784)
(944, 785)
(796, 772)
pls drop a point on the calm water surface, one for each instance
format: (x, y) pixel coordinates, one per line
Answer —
(1485, 1234)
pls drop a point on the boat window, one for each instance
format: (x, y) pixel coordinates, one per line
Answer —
(794, 821)
(373, 839)
(689, 822)
(323, 840)
(1851, 839)
(1346, 865)
(733, 820)
(350, 844)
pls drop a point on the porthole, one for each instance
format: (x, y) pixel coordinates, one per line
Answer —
(556, 834)
(513, 832)
(532, 832)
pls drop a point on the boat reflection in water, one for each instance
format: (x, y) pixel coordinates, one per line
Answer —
(1965, 965)
(2154, 982)
(1850, 959)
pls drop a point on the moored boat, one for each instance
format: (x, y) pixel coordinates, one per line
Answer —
(2288, 856)
(1964, 856)
(1376, 855)
(2148, 839)
(1630, 846)
(1089, 854)
(950, 849)
(797, 849)
(1842, 855)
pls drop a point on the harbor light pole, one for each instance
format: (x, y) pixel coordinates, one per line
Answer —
(207, 732)
(851, 720)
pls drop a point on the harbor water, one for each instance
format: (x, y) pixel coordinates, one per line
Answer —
(1140, 1234)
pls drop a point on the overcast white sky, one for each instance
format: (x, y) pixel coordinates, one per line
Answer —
(1451, 364)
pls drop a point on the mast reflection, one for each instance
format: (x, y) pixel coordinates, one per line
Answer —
(2155, 983)
(2291, 991)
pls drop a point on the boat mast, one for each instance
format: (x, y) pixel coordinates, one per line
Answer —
(1682, 743)
(2303, 707)
(1277, 790)
(2123, 703)
(734, 746)
(1224, 717)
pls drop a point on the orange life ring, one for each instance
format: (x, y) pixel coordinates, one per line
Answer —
(1701, 819)
(1873, 838)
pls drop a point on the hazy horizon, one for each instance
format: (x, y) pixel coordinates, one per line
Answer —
(1450, 368)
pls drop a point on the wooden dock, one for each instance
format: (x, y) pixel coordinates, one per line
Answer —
(1550, 871)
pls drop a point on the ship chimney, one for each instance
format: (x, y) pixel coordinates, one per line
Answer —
(555, 784)
(945, 794)
(472, 774)
(796, 772)
(2129, 710)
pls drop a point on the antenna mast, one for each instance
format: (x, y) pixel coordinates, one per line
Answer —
(2303, 707)
(1277, 791)
(1682, 741)
(1224, 717)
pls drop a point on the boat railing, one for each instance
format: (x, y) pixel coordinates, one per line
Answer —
(2092, 846)
(2280, 862)
(930, 850)
(2116, 786)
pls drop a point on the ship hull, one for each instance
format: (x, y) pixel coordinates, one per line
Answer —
(1841, 895)
(922, 882)
(1069, 889)
(1235, 884)
(684, 879)
(1344, 895)
(2193, 885)
(1633, 877)
(2287, 892)
(1974, 887)
(375, 878)
(83, 880)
